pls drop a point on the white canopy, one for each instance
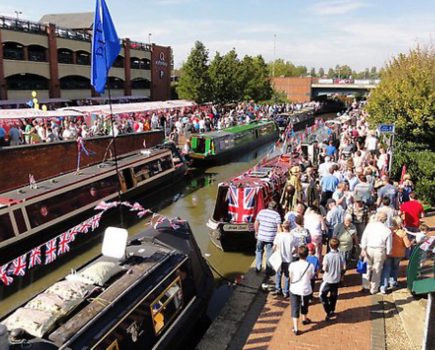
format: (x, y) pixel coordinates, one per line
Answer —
(130, 107)
(35, 113)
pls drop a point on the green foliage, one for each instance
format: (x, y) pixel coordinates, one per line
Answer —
(321, 72)
(419, 161)
(313, 72)
(225, 79)
(194, 82)
(281, 68)
(406, 96)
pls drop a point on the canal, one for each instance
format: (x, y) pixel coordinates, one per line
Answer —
(192, 200)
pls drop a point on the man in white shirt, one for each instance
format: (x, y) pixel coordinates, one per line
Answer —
(376, 244)
(324, 167)
(284, 244)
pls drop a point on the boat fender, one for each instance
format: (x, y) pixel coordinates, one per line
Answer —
(4, 343)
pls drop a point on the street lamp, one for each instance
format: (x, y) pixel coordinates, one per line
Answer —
(18, 13)
(149, 38)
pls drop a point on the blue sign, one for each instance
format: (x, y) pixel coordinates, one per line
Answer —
(384, 128)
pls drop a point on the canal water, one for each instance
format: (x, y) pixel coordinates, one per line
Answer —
(193, 201)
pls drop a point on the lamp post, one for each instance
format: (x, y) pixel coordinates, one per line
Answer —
(149, 38)
(274, 55)
(18, 13)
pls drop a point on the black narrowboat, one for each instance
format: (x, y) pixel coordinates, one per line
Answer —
(32, 215)
(151, 297)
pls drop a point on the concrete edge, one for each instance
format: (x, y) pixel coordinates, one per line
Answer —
(377, 333)
(223, 329)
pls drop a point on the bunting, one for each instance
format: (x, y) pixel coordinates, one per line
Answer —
(18, 267)
(35, 257)
(4, 277)
(64, 241)
(50, 251)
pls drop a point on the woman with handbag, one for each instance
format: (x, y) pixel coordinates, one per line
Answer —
(300, 273)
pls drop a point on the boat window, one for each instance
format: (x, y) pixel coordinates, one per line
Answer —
(52, 208)
(6, 230)
(153, 168)
(199, 145)
(165, 307)
(20, 221)
(267, 129)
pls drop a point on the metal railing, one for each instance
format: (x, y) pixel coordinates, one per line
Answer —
(21, 26)
(420, 275)
(139, 46)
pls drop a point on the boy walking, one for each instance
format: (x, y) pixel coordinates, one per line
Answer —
(333, 267)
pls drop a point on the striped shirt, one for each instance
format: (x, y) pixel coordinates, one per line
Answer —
(269, 221)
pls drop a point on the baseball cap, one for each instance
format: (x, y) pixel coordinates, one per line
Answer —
(311, 247)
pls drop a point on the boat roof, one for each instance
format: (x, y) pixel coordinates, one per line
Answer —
(24, 113)
(234, 129)
(118, 108)
(50, 185)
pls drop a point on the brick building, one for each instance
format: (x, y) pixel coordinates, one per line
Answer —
(53, 57)
(297, 89)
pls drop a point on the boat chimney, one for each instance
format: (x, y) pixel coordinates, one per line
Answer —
(4, 342)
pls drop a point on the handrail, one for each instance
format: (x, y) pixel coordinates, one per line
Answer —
(420, 275)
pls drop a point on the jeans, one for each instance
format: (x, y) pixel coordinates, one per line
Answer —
(259, 253)
(390, 272)
(328, 296)
(283, 271)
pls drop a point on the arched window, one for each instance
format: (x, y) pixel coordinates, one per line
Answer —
(135, 63)
(115, 83)
(37, 53)
(13, 51)
(140, 83)
(27, 82)
(74, 82)
(65, 56)
(145, 63)
(119, 62)
(83, 57)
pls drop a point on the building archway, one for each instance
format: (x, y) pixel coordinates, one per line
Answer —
(75, 82)
(65, 56)
(27, 82)
(37, 53)
(83, 57)
(13, 51)
(115, 83)
(140, 83)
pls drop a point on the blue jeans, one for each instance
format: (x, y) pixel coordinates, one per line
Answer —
(283, 271)
(259, 253)
(390, 272)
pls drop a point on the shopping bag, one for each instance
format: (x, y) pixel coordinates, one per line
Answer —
(361, 266)
(275, 260)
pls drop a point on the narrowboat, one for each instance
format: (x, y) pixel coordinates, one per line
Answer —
(32, 215)
(298, 120)
(149, 293)
(239, 200)
(220, 146)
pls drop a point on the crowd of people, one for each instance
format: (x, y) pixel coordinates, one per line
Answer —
(176, 122)
(332, 214)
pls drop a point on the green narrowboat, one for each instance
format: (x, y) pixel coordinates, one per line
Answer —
(220, 146)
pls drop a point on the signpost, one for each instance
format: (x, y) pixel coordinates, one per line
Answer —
(389, 130)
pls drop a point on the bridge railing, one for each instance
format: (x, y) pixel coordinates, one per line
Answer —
(348, 81)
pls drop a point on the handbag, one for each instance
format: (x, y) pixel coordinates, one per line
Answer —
(361, 266)
(275, 260)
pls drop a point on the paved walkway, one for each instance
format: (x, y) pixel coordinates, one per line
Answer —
(359, 323)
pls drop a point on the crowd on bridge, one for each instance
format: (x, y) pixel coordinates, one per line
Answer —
(331, 215)
(176, 122)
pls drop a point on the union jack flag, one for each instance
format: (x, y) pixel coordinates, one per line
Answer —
(241, 204)
(73, 232)
(64, 241)
(106, 206)
(160, 219)
(18, 267)
(95, 221)
(35, 257)
(6, 280)
(144, 212)
(50, 251)
(136, 207)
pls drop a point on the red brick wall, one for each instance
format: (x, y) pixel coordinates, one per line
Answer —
(297, 89)
(160, 73)
(48, 160)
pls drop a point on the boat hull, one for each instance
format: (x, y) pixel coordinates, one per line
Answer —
(232, 237)
(227, 155)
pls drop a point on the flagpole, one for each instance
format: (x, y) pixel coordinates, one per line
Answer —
(109, 93)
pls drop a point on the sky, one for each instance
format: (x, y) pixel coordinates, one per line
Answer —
(314, 33)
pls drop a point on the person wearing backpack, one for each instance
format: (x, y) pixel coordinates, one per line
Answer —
(300, 273)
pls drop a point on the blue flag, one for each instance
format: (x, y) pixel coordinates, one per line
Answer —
(105, 46)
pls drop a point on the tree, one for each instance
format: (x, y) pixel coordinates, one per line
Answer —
(406, 96)
(194, 82)
(255, 80)
(321, 72)
(227, 80)
(313, 72)
(373, 73)
(331, 73)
